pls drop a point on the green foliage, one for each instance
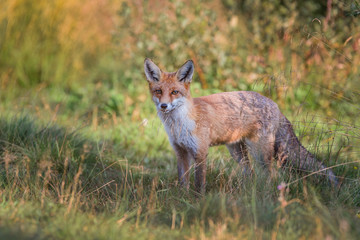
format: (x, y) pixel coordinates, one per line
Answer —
(355, 9)
(44, 43)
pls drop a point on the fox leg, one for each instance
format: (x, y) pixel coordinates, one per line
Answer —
(269, 150)
(269, 154)
(200, 170)
(238, 152)
(183, 166)
(262, 150)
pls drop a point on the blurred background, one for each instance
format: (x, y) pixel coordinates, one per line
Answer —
(80, 63)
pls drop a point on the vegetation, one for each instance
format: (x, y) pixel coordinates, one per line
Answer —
(83, 154)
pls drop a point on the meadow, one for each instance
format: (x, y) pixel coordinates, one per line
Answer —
(83, 154)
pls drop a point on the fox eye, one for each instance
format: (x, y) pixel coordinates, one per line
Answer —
(174, 92)
(158, 91)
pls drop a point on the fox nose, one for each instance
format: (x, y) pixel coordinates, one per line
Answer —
(163, 106)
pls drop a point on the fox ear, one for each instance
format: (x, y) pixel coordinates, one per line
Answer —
(152, 71)
(185, 73)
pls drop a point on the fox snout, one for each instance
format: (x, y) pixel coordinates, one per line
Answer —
(167, 107)
(163, 106)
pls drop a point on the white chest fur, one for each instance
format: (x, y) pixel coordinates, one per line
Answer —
(179, 128)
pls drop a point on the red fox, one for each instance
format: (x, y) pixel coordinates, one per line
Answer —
(246, 122)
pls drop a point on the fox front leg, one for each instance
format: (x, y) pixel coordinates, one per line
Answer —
(200, 172)
(183, 166)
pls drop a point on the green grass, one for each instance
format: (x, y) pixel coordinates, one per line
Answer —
(59, 184)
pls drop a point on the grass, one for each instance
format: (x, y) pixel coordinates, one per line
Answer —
(58, 184)
(84, 156)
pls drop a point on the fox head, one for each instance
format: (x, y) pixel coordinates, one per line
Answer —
(169, 90)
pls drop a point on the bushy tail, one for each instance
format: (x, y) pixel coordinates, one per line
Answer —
(289, 149)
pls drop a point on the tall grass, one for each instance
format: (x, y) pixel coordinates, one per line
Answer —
(52, 187)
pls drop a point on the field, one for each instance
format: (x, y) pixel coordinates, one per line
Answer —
(83, 154)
